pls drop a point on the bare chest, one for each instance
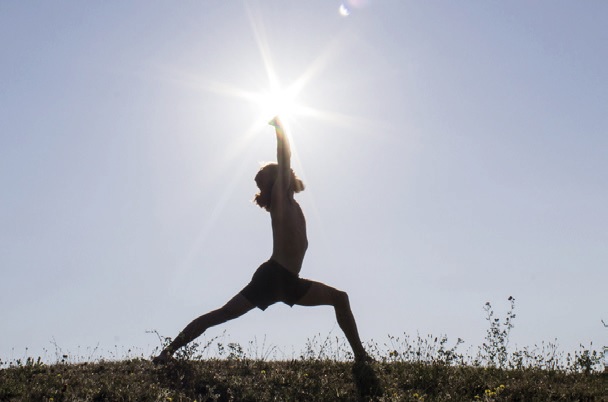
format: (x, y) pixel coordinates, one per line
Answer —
(289, 236)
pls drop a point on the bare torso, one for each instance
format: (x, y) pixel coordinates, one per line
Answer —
(289, 241)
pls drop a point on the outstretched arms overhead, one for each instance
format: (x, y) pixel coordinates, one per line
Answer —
(283, 151)
(283, 147)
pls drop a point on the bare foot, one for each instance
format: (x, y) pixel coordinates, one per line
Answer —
(363, 359)
(163, 358)
(367, 382)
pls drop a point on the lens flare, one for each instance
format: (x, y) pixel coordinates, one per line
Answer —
(344, 10)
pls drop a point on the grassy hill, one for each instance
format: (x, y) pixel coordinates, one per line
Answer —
(298, 380)
(405, 369)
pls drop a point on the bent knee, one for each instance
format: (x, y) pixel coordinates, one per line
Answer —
(340, 298)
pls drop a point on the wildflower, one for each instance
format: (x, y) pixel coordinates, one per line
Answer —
(490, 393)
(502, 386)
(263, 371)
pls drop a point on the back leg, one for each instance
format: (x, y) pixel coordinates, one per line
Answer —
(236, 307)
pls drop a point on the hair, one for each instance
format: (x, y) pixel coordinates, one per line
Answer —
(265, 179)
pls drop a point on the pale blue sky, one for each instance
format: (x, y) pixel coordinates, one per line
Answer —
(460, 157)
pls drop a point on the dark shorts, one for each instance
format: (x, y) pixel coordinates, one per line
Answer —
(273, 283)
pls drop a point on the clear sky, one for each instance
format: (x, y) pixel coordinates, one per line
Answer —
(454, 153)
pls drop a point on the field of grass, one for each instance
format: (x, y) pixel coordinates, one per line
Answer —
(404, 369)
(299, 380)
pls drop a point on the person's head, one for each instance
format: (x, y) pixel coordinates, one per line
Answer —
(265, 179)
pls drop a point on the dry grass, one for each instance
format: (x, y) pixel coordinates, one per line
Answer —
(300, 380)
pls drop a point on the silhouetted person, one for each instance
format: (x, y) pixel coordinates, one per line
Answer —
(277, 280)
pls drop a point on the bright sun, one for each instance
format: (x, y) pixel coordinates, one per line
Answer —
(278, 101)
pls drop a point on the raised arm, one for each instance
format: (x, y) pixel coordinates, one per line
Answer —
(283, 151)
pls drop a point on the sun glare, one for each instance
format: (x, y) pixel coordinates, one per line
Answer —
(285, 100)
(278, 102)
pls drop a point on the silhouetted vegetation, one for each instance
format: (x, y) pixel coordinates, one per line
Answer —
(405, 369)
(301, 380)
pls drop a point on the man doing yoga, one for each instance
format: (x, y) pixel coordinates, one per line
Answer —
(278, 278)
